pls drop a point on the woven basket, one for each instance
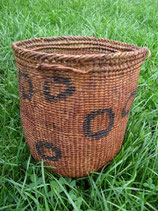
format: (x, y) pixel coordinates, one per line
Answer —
(75, 98)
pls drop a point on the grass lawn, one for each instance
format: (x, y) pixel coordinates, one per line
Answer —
(130, 182)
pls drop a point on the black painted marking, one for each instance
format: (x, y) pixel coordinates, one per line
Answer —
(102, 133)
(124, 112)
(44, 144)
(27, 78)
(61, 96)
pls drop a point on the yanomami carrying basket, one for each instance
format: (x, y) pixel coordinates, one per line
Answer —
(75, 97)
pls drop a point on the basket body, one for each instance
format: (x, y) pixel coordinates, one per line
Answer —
(75, 99)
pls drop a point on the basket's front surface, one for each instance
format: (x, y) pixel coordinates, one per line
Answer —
(76, 120)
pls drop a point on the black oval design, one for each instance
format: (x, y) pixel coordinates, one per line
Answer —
(124, 112)
(30, 93)
(61, 96)
(44, 144)
(102, 133)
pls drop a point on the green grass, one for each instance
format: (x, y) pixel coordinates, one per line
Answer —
(130, 182)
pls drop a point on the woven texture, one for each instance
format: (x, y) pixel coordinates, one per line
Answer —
(75, 98)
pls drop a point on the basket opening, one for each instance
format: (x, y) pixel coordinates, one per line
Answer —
(76, 47)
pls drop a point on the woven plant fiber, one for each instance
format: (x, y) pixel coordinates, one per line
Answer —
(75, 98)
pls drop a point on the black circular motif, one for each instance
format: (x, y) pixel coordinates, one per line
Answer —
(124, 112)
(61, 96)
(102, 133)
(44, 144)
(27, 78)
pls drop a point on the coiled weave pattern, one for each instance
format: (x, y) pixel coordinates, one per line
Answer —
(75, 98)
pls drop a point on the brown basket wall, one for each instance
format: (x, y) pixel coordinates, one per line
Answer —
(75, 98)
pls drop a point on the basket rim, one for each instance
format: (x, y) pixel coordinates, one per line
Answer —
(20, 48)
